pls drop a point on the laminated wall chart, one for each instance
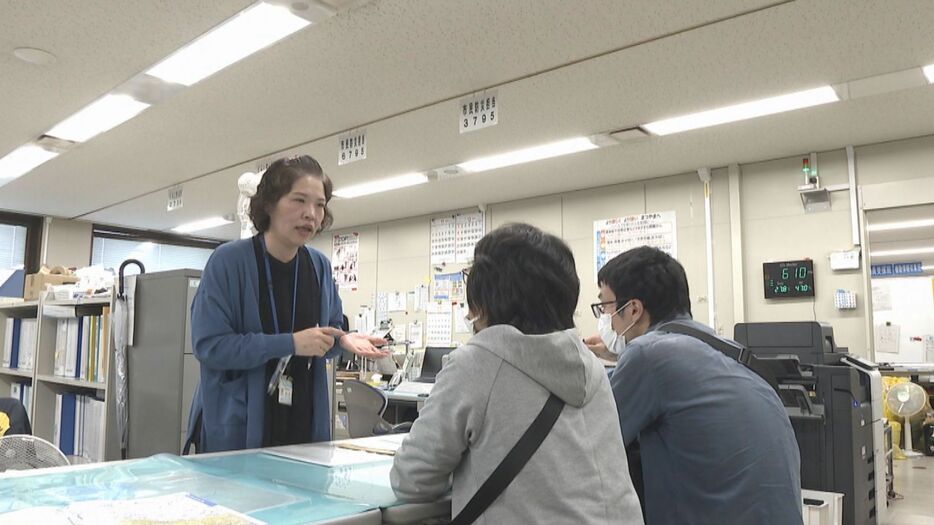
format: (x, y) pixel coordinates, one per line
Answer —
(615, 236)
(345, 254)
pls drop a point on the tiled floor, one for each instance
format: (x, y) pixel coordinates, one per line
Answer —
(914, 479)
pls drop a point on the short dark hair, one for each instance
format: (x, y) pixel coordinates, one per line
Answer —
(653, 277)
(277, 182)
(524, 277)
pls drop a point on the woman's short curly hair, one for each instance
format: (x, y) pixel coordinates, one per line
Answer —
(277, 182)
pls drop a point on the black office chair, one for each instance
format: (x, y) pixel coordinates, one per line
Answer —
(365, 406)
(16, 412)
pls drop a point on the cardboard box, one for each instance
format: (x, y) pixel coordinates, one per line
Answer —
(36, 282)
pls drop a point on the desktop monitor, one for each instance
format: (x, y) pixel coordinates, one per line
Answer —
(431, 364)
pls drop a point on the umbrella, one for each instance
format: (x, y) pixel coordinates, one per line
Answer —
(121, 328)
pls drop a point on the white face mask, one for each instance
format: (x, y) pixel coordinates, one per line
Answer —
(470, 323)
(614, 342)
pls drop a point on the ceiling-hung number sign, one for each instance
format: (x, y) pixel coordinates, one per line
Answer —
(478, 111)
(352, 147)
(175, 198)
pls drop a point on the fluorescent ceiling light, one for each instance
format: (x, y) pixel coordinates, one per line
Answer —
(108, 112)
(906, 251)
(251, 30)
(545, 151)
(379, 186)
(929, 72)
(22, 160)
(204, 224)
(902, 225)
(746, 110)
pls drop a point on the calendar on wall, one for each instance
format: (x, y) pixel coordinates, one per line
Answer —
(438, 324)
(470, 228)
(443, 240)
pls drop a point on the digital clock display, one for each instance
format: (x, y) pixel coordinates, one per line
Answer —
(788, 279)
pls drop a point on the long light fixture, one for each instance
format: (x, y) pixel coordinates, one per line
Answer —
(744, 111)
(929, 73)
(545, 151)
(906, 251)
(23, 160)
(901, 225)
(203, 224)
(379, 186)
(97, 117)
(246, 33)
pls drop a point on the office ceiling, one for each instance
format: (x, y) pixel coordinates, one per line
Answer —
(398, 68)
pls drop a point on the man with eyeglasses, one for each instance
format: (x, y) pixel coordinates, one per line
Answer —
(716, 443)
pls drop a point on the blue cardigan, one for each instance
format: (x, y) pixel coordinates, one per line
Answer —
(228, 340)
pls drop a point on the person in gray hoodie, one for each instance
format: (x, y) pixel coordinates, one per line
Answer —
(522, 290)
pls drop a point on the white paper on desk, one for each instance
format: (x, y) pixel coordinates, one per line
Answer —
(173, 508)
(886, 338)
(34, 515)
(326, 455)
(387, 443)
(396, 301)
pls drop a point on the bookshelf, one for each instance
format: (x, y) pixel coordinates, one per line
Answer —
(11, 374)
(49, 380)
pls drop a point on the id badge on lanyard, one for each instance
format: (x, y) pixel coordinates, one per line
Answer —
(279, 380)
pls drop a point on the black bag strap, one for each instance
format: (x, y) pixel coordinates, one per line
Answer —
(730, 349)
(512, 464)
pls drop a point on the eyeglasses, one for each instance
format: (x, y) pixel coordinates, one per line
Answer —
(598, 308)
(465, 272)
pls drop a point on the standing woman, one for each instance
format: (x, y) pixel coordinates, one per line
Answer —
(263, 303)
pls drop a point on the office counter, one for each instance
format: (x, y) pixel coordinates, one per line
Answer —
(264, 486)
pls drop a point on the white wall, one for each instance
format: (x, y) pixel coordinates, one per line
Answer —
(775, 228)
(394, 256)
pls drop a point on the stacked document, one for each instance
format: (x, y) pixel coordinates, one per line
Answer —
(82, 347)
(19, 343)
(343, 453)
(414, 387)
(23, 392)
(79, 429)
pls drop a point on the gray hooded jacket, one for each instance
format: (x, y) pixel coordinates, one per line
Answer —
(485, 398)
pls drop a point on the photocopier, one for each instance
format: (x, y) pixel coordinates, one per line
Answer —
(834, 402)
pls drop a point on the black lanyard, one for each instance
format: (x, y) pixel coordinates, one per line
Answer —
(283, 362)
(272, 297)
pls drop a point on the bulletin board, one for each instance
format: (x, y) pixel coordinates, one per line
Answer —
(903, 310)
